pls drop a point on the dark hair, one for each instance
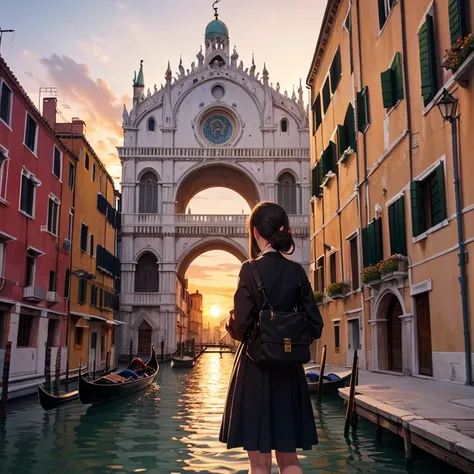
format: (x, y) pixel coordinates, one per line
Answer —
(268, 218)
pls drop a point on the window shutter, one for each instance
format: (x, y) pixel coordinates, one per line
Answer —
(342, 140)
(418, 218)
(336, 70)
(317, 116)
(382, 17)
(316, 180)
(438, 197)
(397, 78)
(387, 89)
(366, 246)
(457, 20)
(332, 156)
(363, 109)
(398, 240)
(378, 240)
(392, 226)
(426, 41)
(349, 123)
(325, 162)
(326, 95)
(24, 193)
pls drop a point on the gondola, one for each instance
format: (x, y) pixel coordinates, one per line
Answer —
(182, 362)
(50, 402)
(332, 381)
(105, 390)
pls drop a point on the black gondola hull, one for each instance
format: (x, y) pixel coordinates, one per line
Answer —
(50, 402)
(186, 363)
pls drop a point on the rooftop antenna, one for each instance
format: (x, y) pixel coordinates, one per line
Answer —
(215, 9)
(7, 31)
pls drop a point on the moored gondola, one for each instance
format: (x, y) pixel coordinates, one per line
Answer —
(111, 387)
(50, 402)
(332, 382)
(182, 362)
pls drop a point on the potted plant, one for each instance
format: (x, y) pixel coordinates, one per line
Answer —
(336, 290)
(318, 296)
(458, 53)
(370, 274)
(395, 263)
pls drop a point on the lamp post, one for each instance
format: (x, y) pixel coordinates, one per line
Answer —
(448, 108)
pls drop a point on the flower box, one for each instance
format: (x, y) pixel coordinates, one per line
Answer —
(319, 297)
(370, 274)
(337, 290)
(395, 263)
(458, 53)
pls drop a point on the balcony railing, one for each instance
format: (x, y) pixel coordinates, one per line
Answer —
(198, 153)
(34, 293)
(140, 299)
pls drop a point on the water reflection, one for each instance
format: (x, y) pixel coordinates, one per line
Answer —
(173, 428)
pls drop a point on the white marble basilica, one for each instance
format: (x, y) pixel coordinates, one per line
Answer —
(216, 124)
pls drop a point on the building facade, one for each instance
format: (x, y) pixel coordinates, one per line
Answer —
(35, 198)
(382, 184)
(195, 317)
(94, 274)
(216, 124)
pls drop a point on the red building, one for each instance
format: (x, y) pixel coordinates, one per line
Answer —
(36, 211)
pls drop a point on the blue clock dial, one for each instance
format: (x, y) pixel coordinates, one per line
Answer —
(218, 129)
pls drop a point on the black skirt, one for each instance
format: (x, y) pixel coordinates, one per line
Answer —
(268, 408)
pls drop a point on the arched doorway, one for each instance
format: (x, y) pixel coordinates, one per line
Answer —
(394, 335)
(287, 193)
(144, 338)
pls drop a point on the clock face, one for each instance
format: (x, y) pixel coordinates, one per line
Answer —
(218, 129)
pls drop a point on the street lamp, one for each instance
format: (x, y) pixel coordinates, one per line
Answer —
(448, 108)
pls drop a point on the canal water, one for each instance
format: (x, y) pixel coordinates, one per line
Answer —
(173, 428)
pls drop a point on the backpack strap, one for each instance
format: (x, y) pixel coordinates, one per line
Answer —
(258, 281)
(299, 298)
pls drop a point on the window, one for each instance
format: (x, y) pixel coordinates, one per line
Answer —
(67, 283)
(337, 337)
(93, 172)
(3, 172)
(316, 180)
(102, 204)
(148, 201)
(101, 298)
(428, 67)
(392, 83)
(2, 257)
(30, 270)
(385, 7)
(53, 214)
(363, 116)
(52, 281)
(428, 201)
(326, 95)
(70, 224)
(6, 96)
(284, 125)
(354, 254)
(287, 194)
(31, 133)
(457, 20)
(78, 336)
(372, 243)
(336, 70)
(53, 333)
(71, 176)
(332, 268)
(26, 336)
(82, 296)
(320, 274)
(112, 336)
(329, 159)
(396, 222)
(151, 124)
(94, 295)
(146, 274)
(91, 245)
(57, 163)
(350, 128)
(317, 116)
(27, 198)
(86, 161)
(84, 232)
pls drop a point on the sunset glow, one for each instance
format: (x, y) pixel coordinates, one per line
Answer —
(215, 311)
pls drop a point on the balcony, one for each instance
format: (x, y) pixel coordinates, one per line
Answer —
(52, 297)
(140, 299)
(277, 154)
(34, 294)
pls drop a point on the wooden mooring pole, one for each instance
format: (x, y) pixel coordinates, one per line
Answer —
(321, 373)
(47, 369)
(57, 373)
(4, 383)
(351, 408)
(162, 351)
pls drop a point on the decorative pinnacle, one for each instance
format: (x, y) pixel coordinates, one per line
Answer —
(216, 14)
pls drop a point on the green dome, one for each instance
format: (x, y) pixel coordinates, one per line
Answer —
(217, 29)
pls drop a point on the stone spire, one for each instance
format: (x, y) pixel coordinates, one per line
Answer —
(267, 105)
(168, 74)
(138, 85)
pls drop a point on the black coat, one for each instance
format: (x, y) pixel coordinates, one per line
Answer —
(268, 407)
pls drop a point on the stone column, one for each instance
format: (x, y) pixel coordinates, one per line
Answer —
(408, 343)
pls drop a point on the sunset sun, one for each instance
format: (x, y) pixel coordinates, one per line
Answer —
(215, 311)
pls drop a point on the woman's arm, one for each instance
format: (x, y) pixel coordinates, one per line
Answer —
(311, 308)
(244, 306)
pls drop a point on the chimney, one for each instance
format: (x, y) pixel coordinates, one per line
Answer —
(49, 110)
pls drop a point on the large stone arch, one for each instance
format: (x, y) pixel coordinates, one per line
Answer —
(206, 245)
(217, 174)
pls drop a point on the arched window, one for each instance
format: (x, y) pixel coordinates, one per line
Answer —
(284, 125)
(287, 193)
(148, 198)
(146, 274)
(151, 124)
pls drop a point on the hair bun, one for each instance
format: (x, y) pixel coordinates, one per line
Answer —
(282, 240)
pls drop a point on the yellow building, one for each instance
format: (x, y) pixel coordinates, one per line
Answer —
(95, 270)
(382, 185)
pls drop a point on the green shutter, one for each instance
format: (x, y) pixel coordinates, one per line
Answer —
(366, 246)
(363, 109)
(398, 239)
(333, 156)
(326, 95)
(418, 219)
(342, 140)
(426, 41)
(349, 123)
(382, 17)
(388, 95)
(397, 78)
(336, 70)
(457, 20)
(316, 180)
(392, 226)
(438, 197)
(378, 240)
(317, 117)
